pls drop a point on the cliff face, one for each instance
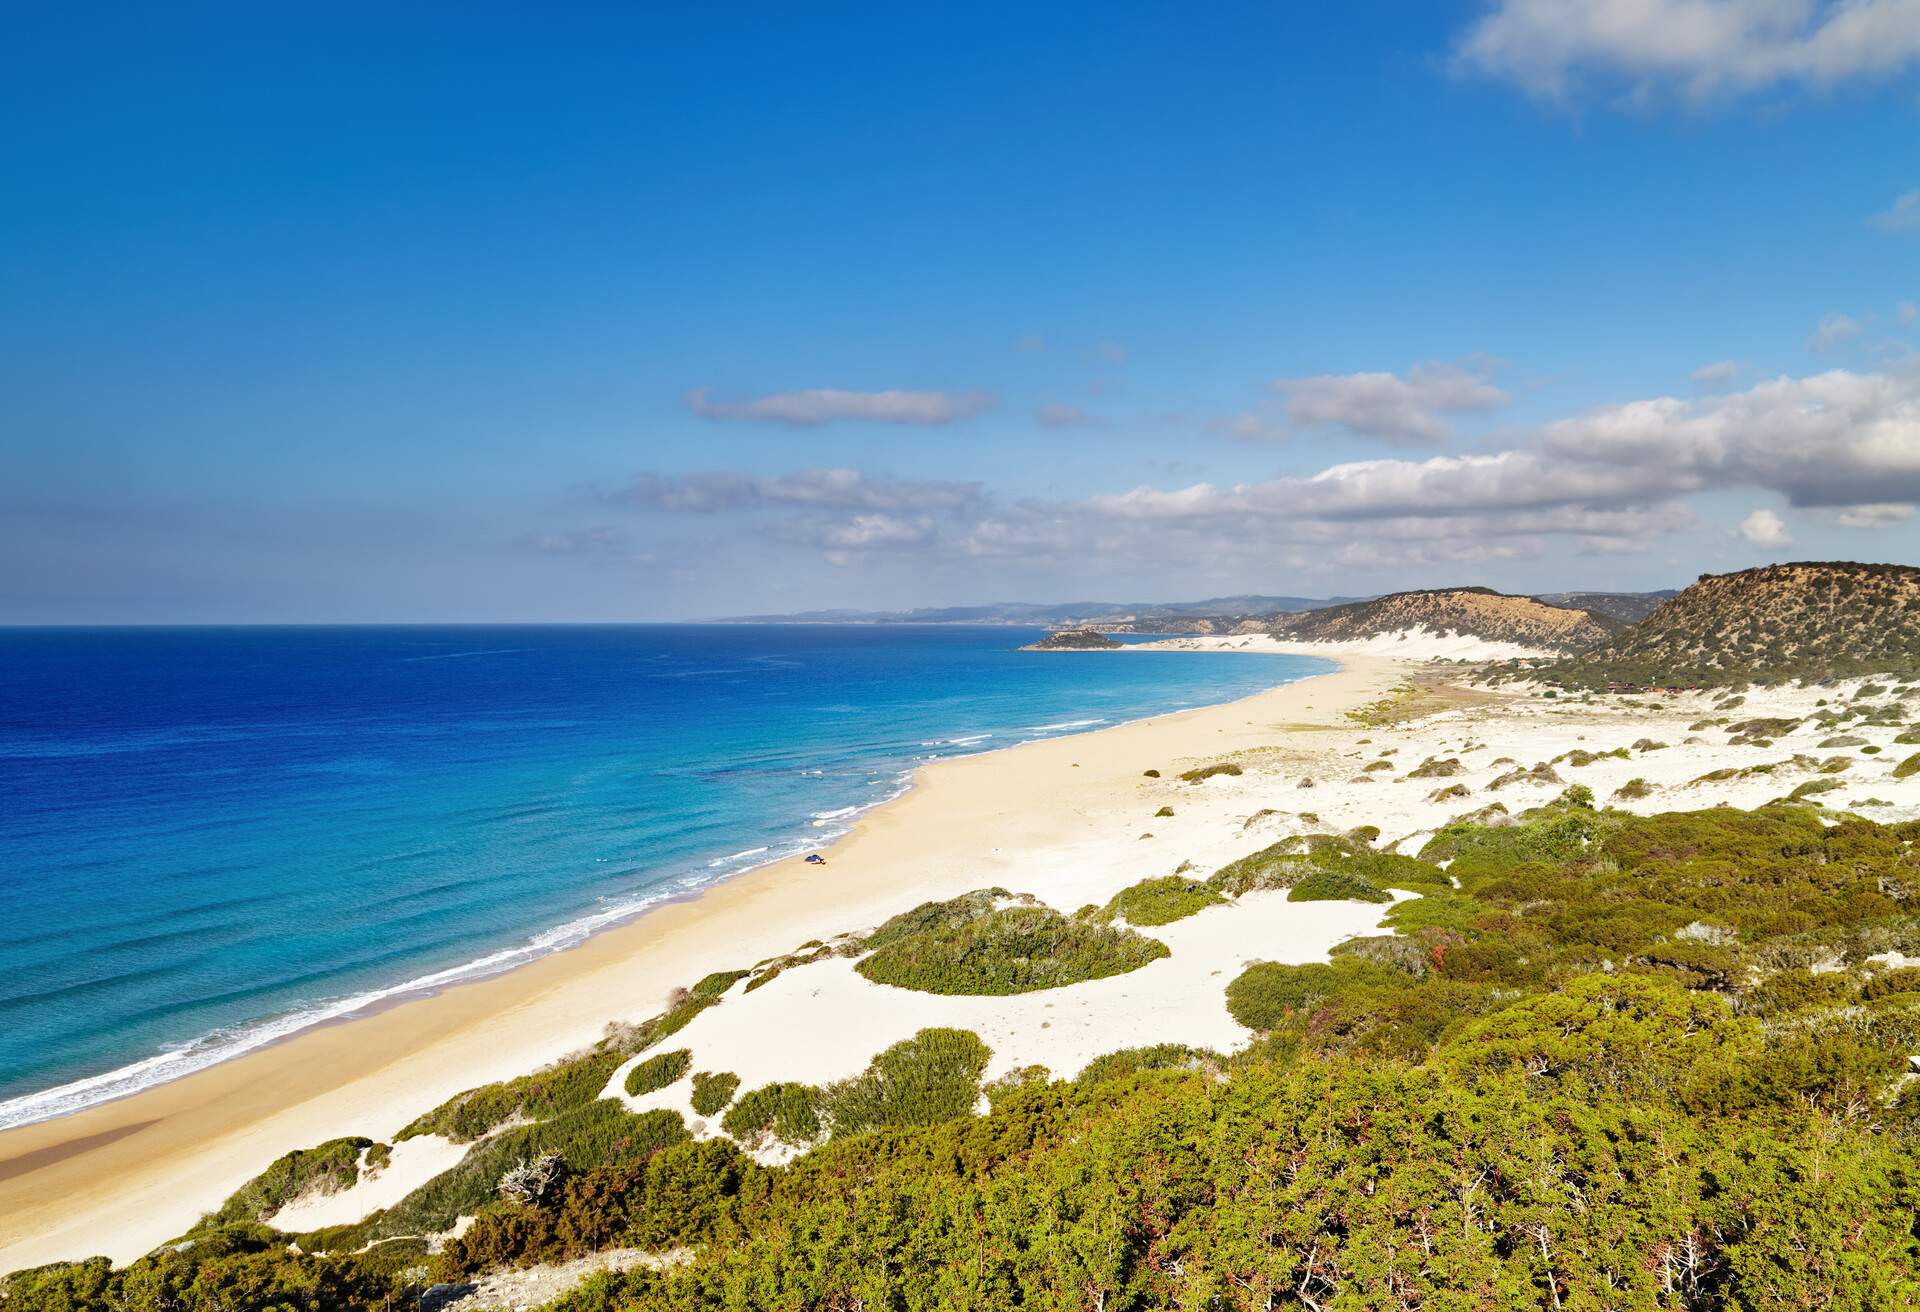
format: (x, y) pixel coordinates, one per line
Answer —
(1471, 612)
(1812, 619)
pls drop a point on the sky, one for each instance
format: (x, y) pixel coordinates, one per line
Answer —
(436, 313)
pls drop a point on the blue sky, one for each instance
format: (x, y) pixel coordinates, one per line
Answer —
(574, 312)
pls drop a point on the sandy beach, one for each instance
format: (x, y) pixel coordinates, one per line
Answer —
(122, 1177)
(1401, 744)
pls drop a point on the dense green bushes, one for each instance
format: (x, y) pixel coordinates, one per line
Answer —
(658, 1072)
(933, 1076)
(1266, 994)
(713, 1090)
(1325, 866)
(1015, 949)
(787, 1112)
(1161, 901)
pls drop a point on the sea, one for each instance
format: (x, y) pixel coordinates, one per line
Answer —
(211, 838)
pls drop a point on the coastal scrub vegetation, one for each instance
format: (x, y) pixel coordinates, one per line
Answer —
(971, 945)
(1203, 773)
(1317, 867)
(712, 1091)
(324, 1169)
(658, 1072)
(1161, 901)
(1631, 1061)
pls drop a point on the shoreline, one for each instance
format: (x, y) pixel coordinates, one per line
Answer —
(134, 1171)
(76, 1096)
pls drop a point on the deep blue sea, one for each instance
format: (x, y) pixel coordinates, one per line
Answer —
(212, 837)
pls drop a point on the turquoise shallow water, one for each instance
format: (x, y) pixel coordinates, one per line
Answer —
(213, 837)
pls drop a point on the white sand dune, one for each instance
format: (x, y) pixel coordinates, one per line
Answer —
(1415, 644)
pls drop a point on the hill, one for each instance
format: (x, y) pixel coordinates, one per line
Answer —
(1073, 640)
(1810, 619)
(1474, 612)
(1627, 607)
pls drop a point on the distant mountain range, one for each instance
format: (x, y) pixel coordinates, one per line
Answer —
(1069, 614)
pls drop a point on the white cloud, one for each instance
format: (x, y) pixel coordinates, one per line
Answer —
(826, 405)
(1901, 216)
(1717, 374)
(1833, 439)
(1389, 406)
(710, 492)
(1637, 51)
(1842, 445)
(1063, 416)
(1763, 528)
(1907, 312)
(1873, 515)
(1832, 330)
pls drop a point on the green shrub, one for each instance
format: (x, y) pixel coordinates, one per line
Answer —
(1633, 790)
(326, 1169)
(1267, 993)
(712, 986)
(933, 1076)
(713, 1090)
(1335, 886)
(1016, 949)
(1128, 1062)
(1161, 901)
(786, 1112)
(658, 1072)
(930, 917)
(1907, 767)
(1438, 910)
(1205, 772)
(593, 1135)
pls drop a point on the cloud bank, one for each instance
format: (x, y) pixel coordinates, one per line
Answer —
(1395, 408)
(827, 405)
(1638, 51)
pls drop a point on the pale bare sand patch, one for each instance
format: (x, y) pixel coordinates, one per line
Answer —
(414, 1162)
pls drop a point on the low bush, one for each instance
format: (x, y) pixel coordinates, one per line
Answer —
(713, 1090)
(325, 1169)
(1205, 772)
(1161, 901)
(1128, 1062)
(1267, 993)
(1016, 949)
(1910, 766)
(786, 1112)
(933, 1076)
(1335, 886)
(598, 1133)
(658, 1072)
